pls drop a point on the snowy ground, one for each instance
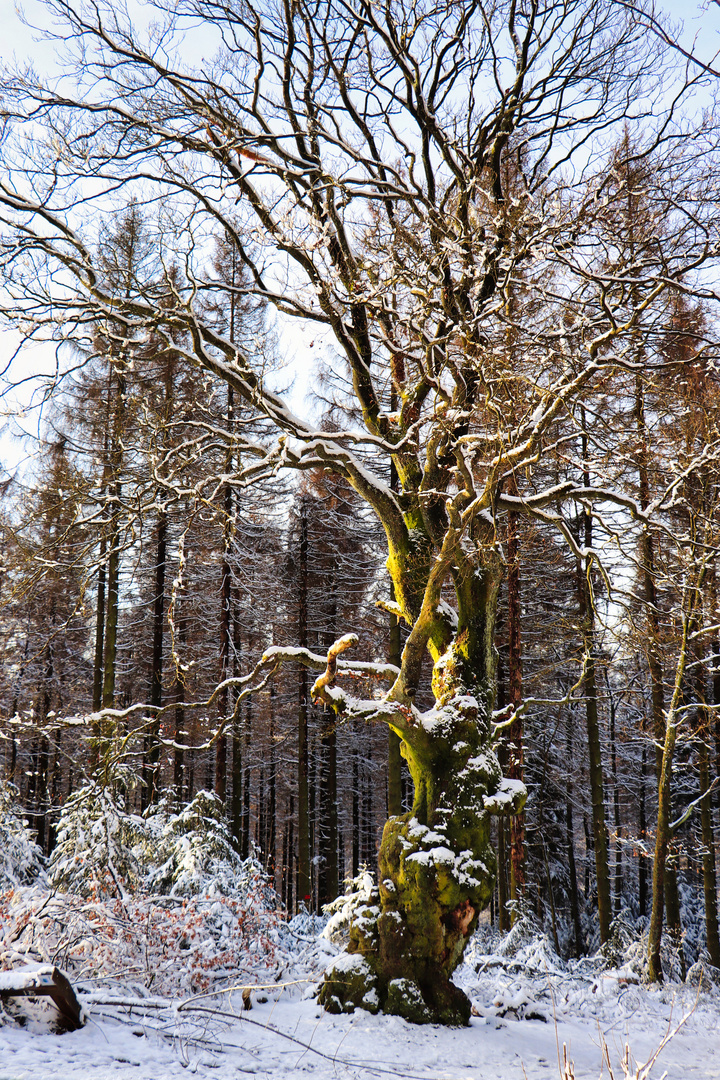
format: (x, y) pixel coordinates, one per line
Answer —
(526, 1006)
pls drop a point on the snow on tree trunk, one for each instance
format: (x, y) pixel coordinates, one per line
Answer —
(436, 863)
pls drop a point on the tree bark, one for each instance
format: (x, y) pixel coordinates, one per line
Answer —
(662, 831)
(709, 871)
(113, 572)
(303, 818)
(225, 618)
(587, 616)
(152, 747)
(436, 863)
(570, 841)
(642, 821)
(515, 770)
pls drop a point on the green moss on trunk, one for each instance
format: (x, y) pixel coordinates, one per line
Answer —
(437, 871)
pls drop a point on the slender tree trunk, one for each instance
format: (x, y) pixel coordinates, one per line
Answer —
(662, 831)
(272, 793)
(503, 845)
(292, 901)
(616, 799)
(42, 760)
(247, 773)
(98, 665)
(642, 865)
(111, 625)
(99, 632)
(303, 820)
(570, 842)
(329, 815)
(355, 812)
(152, 745)
(370, 852)
(515, 769)
(328, 824)
(225, 618)
(10, 770)
(502, 882)
(179, 764)
(600, 842)
(236, 804)
(715, 674)
(668, 876)
(709, 871)
(113, 572)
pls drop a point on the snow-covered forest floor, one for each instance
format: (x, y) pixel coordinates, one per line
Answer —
(528, 1003)
(162, 928)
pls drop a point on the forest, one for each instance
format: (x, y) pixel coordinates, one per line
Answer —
(361, 470)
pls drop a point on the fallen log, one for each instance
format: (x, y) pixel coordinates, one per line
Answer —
(44, 982)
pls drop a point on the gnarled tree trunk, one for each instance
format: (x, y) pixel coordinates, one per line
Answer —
(436, 862)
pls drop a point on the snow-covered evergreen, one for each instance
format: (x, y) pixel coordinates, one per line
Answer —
(21, 861)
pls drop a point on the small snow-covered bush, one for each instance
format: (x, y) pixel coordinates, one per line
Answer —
(162, 900)
(192, 851)
(358, 892)
(21, 861)
(95, 851)
(175, 946)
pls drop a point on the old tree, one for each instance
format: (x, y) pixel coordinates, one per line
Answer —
(426, 189)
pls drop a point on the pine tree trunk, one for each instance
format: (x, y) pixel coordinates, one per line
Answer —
(503, 845)
(223, 697)
(502, 882)
(99, 633)
(236, 805)
(515, 760)
(709, 872)
(708, 859)
(666, 875)
(100, 613)
(642, 864)
(247, 776)
(152, 746)
(616, 801)
(111, 623)
(113, 572)
(570, 842)
(329, 815)
(225, 618)
(292, 902)
(662, 830)
(272, 794)
(355, 813)
(328, 823)
(179, 765)
(600, 839)
(303, 819)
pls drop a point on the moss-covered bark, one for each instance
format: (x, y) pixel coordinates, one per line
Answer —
(436, 872)
(436, 863)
